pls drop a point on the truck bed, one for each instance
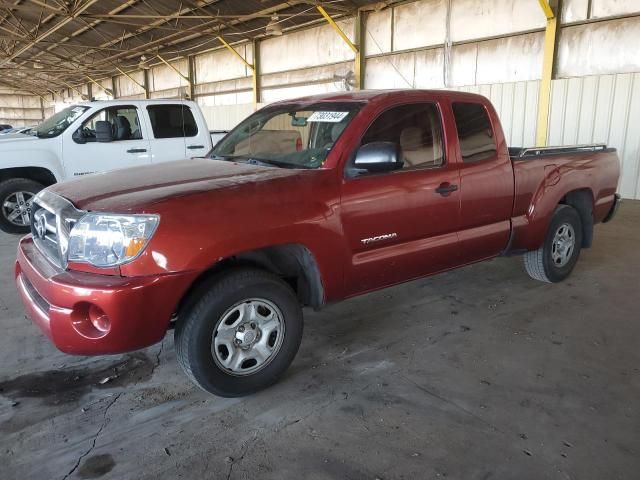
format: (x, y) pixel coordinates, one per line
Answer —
(543, 177)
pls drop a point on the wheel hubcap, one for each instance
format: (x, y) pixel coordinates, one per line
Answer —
(564, 242)
(248, 336)
(16, 208)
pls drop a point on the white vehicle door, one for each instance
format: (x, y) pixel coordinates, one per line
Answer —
(83, 155)
(176, 135)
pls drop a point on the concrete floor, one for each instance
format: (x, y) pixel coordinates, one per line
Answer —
(480, 373)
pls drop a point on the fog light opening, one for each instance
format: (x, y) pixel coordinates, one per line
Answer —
(99, 319)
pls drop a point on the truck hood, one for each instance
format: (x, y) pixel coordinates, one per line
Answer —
(138, 189)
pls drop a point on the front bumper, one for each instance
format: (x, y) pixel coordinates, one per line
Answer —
(59, 302)
(614, 208)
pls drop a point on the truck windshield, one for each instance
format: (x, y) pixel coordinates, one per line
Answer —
(288, 136)
(59, 122)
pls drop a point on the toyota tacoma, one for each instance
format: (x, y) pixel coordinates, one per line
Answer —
(305, 202)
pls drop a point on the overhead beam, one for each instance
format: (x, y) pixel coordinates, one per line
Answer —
(549, 8)
(71, 17)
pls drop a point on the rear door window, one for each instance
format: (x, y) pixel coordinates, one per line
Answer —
(475, 132)
(172, 121)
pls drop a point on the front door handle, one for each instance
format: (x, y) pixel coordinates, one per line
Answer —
(446, 188)
(195, 147)
(136, 150)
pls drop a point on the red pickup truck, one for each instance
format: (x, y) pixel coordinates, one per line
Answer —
(305, 202)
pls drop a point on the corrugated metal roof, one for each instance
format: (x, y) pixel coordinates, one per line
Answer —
(47, 44)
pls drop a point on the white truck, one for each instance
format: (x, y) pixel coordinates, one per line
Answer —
(95, 137)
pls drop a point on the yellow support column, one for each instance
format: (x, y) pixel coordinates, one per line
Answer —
(544, 99)
(356, 48)
(253, 67)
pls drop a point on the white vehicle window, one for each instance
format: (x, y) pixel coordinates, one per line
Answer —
(172, 121)
(125, 124)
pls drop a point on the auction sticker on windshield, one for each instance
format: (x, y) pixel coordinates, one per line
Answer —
(332, 117)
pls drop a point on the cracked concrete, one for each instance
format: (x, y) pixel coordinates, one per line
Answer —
(105, 420)
(476, 373)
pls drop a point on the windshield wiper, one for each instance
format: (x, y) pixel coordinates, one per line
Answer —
(257, 161)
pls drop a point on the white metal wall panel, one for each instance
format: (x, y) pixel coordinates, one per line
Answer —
(608, 8)
(324, 73)
(419, 24)
(574, 10)
(602, 109)
(599, 48)
(225, 117)
(429, 68)
(283, 93)
(162, 77)
(125, 87)
(473, 19)
(225, 99)
(394, 71)
(306, 48)
(224, 86)
(378, 32)
(511, 59)
(222, 65)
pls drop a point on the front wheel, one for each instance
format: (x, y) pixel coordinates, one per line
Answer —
(241, 334)
(16, 195)
(554, 261)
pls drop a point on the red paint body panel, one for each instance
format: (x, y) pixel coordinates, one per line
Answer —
(212, 210)
(139, 308)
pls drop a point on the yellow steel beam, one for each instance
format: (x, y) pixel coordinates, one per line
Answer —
(253, 67)
(256, 73)
(106, 90)
(130, 78)
(235, 52)
(544, 99)
(186, 79)
(338, 30)
(546, 9)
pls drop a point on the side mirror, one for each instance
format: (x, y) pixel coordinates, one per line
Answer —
(377, 157)
(78, 137)
(103, 131)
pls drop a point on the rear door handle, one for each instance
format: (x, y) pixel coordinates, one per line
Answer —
(136, 150)
(195, 147)
(446, 188)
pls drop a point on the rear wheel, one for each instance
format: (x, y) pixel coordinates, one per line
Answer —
(554, 261)
(241, 334)
(16, 195)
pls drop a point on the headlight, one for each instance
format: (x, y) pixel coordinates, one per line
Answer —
(107, 240)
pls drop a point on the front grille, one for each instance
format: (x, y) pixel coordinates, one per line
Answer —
(51, 221)
(45, 232)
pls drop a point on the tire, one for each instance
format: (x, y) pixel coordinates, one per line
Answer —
(251, 294)
(553, 263)
(8, 191)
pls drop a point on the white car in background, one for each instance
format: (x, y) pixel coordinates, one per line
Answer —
(94, 137)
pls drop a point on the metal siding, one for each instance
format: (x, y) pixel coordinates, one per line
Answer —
(601, 109)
